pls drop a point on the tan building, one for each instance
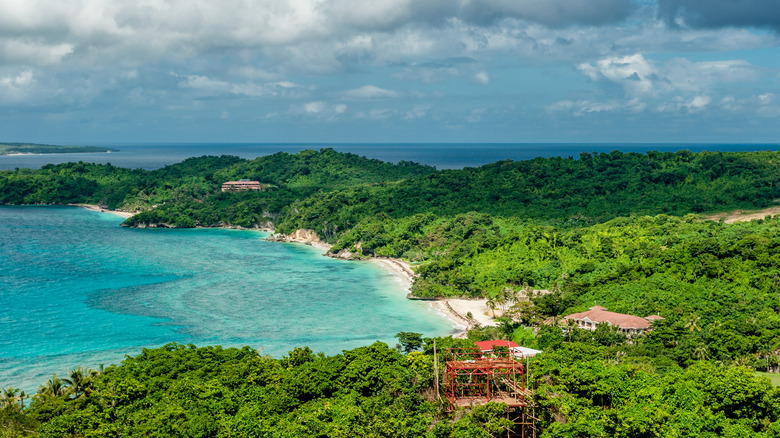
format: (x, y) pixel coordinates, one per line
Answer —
(628, 324)
(243, 184)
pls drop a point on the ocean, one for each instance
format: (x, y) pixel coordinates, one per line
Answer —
(76, 289)
(79, 290)
(441, 155)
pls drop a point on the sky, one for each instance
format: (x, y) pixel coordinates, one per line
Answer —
(290, 71)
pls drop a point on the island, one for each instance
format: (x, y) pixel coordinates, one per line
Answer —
(686, 348)
(33, 148)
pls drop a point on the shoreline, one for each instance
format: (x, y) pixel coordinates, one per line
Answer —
(97, 208)
(452, 309)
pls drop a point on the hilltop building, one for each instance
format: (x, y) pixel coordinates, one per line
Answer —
(628, 324)
(242, 184)
(516, 350)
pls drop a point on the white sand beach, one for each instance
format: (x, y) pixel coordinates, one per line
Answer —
(456, 310)
(124, 214)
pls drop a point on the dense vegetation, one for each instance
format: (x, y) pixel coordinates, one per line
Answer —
(616, 230)
(183, 391)
(32, 148)
(373, 391)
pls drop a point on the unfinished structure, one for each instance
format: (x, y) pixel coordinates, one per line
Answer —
(474, 377)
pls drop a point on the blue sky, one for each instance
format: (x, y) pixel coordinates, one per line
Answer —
(91, 71)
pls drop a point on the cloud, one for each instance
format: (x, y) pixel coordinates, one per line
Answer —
(553, 13)
(417, 112)
(370, 92)
(582, 107)
(317, 110)
(634, 72)
(721, 13)
(314, 107)
(16, 87)
(640, 77)
(482, 77)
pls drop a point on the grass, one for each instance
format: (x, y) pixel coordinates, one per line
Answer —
(775, 378)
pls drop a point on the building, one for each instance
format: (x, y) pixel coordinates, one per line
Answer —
(243, 184)
(516, 350)
(628, 324)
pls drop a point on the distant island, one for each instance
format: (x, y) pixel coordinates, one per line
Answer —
(32, 148)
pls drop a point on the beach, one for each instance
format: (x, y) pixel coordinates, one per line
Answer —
(92, 207)
(453, 309)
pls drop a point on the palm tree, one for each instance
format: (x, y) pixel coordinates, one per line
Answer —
(8, 396)
(491, 304)
(80, 381)
(571, 325)
(54, 387)
(701, 351)
(693, 322)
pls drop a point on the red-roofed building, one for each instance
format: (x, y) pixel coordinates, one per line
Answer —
(516, 350)
(244, 184)
(628, 324)
(489, 345)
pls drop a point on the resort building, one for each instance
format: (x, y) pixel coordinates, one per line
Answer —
(243, 184)
(517, 351)
(628, 324)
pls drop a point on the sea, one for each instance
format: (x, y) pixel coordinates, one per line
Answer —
(76, 289)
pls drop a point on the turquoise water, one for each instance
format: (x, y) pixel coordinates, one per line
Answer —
(76, 289)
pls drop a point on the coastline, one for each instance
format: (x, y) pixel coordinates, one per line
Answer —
(452, 309)
(92, 207)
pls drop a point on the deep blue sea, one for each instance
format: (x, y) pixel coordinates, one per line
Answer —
(76, 289)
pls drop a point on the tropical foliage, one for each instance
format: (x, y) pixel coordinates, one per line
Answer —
(538, 239)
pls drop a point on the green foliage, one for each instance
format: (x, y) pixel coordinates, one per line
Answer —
(593, 231)
(184, 391)
(628, 400)
(409, 341)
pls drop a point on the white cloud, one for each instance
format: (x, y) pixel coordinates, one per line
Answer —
(318, 110)
(634, 72)
(417, 112)
(16, 87)
(582, 107)
(678, 85)
(314, 107)
(482, 77)
(370, 92)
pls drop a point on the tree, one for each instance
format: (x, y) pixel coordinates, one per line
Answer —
(80, 381)
(693, 322)
(410, 341)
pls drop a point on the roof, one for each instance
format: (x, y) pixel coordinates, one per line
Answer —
(488, 345)
(653, 317)
(242, 182)
(525, 351)
(617, 319)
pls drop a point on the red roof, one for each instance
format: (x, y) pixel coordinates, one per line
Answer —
(617, 319)
(488, 345)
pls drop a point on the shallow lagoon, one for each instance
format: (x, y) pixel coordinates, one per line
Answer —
(78, 290)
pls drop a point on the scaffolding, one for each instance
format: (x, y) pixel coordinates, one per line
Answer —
(477, 378)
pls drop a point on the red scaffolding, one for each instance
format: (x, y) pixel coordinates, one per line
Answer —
(474, 378)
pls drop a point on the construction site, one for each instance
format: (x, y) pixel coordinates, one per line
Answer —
(477, 377)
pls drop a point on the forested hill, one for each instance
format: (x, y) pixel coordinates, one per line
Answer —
(594, 188)
(330, 192)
